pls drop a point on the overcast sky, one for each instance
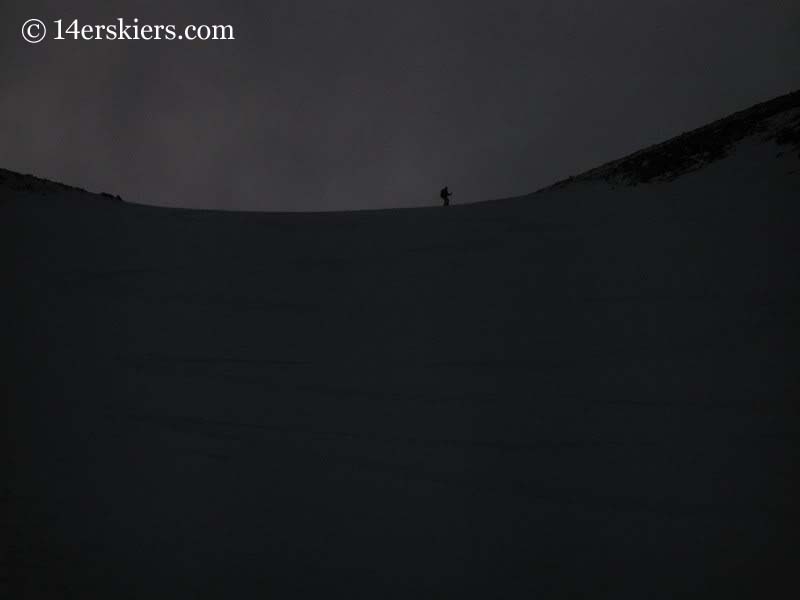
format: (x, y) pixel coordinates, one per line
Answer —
(349, 104)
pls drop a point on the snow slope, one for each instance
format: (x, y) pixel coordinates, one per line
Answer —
(590, 391)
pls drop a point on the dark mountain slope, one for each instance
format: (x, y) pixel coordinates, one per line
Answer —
(587, 392)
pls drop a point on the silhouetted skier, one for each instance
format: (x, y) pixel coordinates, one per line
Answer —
(445, 196)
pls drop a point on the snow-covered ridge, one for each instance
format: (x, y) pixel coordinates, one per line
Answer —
(19, 182)
(777, 119)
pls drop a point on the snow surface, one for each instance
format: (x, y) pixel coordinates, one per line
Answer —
(586, 392)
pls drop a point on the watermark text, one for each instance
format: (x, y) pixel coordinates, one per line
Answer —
(35, 31)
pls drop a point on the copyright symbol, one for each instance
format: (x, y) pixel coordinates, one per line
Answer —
(33, 30)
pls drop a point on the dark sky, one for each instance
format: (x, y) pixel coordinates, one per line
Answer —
(369, 104)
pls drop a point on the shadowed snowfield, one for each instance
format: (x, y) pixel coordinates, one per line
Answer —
(586, 392)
